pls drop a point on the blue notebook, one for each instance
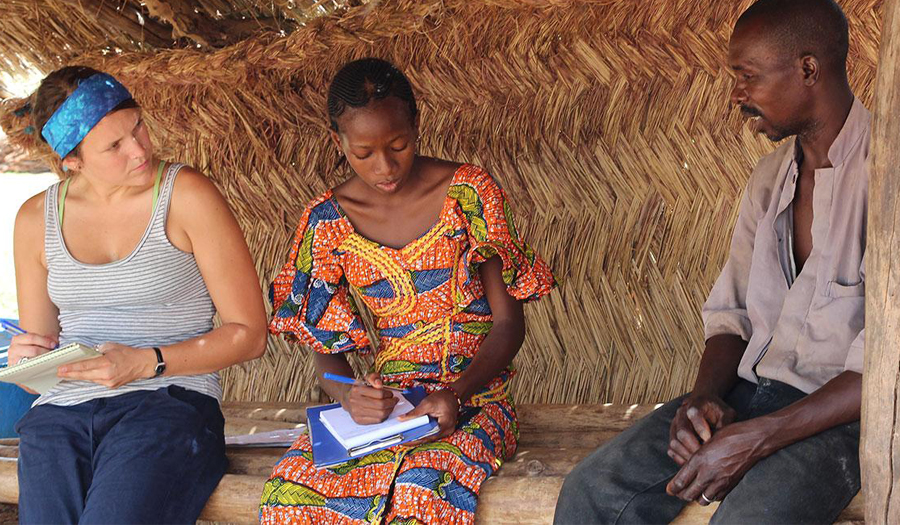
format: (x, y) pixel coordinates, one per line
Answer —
(328, 451)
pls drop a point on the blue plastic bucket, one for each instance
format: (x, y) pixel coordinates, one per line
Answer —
(14, 401)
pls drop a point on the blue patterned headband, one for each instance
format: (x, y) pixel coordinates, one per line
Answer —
(94, 97)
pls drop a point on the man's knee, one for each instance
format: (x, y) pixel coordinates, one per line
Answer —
(575, 503)
(810, 481)
(600, 487)
(575, 485)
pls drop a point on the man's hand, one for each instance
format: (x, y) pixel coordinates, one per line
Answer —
(719, 464)
(695, 421)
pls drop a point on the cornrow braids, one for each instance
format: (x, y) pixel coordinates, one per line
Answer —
(361, 81)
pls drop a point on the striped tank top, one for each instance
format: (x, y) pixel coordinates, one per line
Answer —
(155, 296)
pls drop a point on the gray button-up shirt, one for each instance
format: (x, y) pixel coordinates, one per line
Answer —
(807, 332)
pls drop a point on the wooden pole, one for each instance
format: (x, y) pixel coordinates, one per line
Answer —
(880, 450)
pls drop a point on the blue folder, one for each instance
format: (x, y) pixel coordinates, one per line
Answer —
(328, 451)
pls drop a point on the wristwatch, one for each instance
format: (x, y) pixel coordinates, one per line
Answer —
(160, 364)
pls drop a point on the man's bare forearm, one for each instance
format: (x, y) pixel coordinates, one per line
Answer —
(836, 403)
(719, 365)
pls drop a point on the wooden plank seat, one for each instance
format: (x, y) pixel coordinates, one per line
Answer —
(554, 438)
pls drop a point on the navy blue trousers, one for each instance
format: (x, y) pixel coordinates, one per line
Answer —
(141, 457)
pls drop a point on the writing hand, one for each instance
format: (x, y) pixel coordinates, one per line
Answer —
(369, 404)
(27, 346)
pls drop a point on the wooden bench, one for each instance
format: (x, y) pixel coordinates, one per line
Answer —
(554, 438)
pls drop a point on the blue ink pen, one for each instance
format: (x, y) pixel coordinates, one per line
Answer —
(11, 327)
(350, 381)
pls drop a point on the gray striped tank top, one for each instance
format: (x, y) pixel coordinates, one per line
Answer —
(155, 296)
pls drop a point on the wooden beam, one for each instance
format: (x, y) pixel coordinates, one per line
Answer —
(9, 480)
(534, 475)
(532, 417)
(188, 20)
(122, 17)
(880, 450)
(235, 426)
(235, 500)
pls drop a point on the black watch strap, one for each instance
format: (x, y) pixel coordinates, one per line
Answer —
(160, 364)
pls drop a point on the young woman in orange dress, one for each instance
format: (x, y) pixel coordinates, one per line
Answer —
(431, 248)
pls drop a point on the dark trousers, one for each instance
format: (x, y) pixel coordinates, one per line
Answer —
(624, 481)
(141, 457)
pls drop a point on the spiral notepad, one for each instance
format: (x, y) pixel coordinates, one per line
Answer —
(39, 373)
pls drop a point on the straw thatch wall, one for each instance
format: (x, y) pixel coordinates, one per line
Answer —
(607, 121)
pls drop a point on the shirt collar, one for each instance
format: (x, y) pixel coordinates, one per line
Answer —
(856, 127)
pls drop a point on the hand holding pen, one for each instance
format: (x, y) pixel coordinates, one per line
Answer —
(376, 379)
(367, 401)
(26, 345)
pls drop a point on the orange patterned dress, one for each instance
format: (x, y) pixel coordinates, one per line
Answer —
(431, 318)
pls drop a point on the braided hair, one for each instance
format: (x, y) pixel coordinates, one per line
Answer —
(361, 81)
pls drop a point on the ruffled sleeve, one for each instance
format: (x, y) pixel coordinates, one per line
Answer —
(491, 231)
(310, 296)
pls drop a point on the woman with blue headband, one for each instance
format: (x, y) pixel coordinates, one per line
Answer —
(132, 255)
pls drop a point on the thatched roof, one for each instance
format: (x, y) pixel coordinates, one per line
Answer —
(47, 33)
(17, 160)
(607, 121)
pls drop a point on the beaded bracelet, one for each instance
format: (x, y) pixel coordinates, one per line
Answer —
(455, 396)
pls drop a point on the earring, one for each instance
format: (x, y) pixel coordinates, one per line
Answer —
(65, 168)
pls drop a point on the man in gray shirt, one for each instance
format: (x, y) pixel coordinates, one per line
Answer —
(771, 427)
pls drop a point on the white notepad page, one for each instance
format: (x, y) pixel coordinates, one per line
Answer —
(351, 434)
(39, 373)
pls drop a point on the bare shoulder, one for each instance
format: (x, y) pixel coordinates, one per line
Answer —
(197, 207)
(191, 185)
(30, 218)
(28, 234)
(195, 198)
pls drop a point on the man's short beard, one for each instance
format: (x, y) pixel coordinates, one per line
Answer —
(801, 129)
(777, 134)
